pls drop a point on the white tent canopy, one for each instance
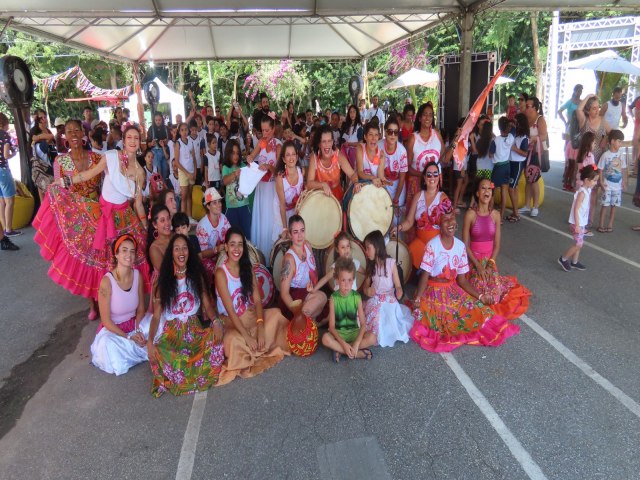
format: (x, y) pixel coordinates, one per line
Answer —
(173, 30)
(414, 77)
(174, 99)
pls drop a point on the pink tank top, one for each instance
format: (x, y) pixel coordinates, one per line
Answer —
(483, 229)
(481, 236)
(123, 303)
(383, 284)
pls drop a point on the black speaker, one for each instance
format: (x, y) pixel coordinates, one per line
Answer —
(16, 83)
(356, 84)
(152, 94)
(483, 68)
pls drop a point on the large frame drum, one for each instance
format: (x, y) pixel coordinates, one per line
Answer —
(370, 209)
(322, 216)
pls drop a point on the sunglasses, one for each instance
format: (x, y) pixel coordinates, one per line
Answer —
(392, 132)
(432, 174)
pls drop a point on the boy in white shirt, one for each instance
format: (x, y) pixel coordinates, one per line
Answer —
(613, 179)
(212, 163)
(500, 152)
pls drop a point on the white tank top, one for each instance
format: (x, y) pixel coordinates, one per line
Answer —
(613, 114)
(238, 300)
(368, 166)
(291, 192)
(186, 303)
(303, 269)
(269, 158)
(583, 211)
(116, 188)
(186, 159)
(425, 152)
(421, 207)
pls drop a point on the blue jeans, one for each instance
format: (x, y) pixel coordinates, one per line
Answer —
(160, 162)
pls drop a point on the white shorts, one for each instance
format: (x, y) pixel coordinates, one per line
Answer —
(611, 198)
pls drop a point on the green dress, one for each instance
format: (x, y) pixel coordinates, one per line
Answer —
(346, 311)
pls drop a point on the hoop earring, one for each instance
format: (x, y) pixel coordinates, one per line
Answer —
(139, 152)
(66, 145)
(84, 142)
(155, 234)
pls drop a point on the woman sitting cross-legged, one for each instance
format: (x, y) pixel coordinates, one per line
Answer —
(255, 339)
(449, 312)
(121, 338)
(185, 357)
(481, 234)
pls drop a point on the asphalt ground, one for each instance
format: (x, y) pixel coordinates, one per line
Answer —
(558, 401)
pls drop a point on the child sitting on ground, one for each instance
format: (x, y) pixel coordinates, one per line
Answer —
(613, 180)
(347, 327)
(386, 317)
(579, 217)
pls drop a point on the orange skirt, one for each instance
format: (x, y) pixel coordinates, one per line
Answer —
(417, 246)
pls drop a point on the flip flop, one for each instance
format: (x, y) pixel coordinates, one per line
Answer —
(368, 354)
(601, 230)
(336, 357)
(513, 218)
(636, 228)
(609, 230)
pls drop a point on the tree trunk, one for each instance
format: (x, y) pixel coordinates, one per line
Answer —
(537, 63)
(113, 77)
(179, 80)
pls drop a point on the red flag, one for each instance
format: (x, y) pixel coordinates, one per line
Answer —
(472, 118)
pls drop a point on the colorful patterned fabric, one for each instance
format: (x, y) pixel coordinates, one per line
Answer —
(449, 317)
(66, 225)
(512, 299)
(63, 166)
(188, 360)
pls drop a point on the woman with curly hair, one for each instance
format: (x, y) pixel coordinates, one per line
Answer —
(185, 357)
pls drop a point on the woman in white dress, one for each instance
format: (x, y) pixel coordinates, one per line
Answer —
(121, 339)
(266, 153)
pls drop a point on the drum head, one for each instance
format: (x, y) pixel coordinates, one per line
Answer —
(276, 267)
(322, 217)
(404, 257)
(265, 281)
(357, 253)
(370, 209)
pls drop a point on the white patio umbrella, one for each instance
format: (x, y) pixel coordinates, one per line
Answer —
(607, 61)
(414, 77)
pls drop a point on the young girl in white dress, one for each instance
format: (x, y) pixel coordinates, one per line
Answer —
(386, 317)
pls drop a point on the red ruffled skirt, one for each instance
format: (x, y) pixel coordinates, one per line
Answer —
(449, 317)
(66, 225)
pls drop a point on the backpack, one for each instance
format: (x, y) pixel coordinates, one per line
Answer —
(574, 131)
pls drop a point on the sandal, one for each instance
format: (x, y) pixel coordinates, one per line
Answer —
(336, 357)
(513, 218)
(601, 230)
(368, 354)
(636, 228)
(609, 230)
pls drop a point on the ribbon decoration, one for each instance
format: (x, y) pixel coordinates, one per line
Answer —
(83, 84)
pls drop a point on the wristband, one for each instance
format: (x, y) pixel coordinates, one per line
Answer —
(259, 320)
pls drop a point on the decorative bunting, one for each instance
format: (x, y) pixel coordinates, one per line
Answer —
(83, 84)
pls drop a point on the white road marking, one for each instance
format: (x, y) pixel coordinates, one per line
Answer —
(586, 243)
(523, 457)
(634, 210)
(190, 442)
(619, 395)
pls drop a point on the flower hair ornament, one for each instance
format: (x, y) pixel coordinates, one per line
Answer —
(445, 207)
(272, 115)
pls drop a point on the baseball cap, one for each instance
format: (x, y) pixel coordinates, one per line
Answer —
(59, 122)
(210, 195)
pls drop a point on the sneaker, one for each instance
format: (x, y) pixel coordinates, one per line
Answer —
(6, 244)
(524, 210)
(565, 264)
(534, 212)
(578, 266)
(588, 233)
(12, 233)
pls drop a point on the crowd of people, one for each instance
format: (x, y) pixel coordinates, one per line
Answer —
(116, 224)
